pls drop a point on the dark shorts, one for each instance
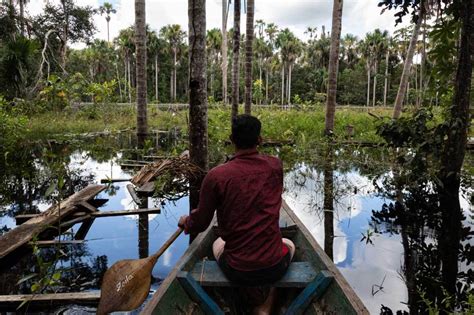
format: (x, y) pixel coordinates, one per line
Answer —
(256, 277)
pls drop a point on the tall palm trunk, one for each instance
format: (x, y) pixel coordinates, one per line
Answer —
(174, 74)
(224, 50)
(108, 31)
(266, 86)
(454, 150)
(282, 85)
(125, 88)
(235, 62)
(157, 69)
(198, 136)
(289, 84)
(129, 81)
(249, 56)
(118, 80)
(22, 16)
(333, 65)
(385, 89)
(402, 89)
(368, 83)
(141, 80)
(375, 84)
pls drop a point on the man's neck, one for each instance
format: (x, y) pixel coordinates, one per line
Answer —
(244, 151)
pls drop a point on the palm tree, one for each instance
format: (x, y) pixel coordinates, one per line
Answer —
(107, 9)
(349, 42)
(225, 15)
(290, 49)
(249, 55)
(366, 49)
(154, 46)
(397, 110)
(271, 30)
(140, 43)
(214, 44)
(174, 35)
(198, 137)
(333, 65)
(235, 62)
(126, 46)
(22, 4)
(378, 44)
(389, 51)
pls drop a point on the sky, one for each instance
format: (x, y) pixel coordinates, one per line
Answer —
(359, 16)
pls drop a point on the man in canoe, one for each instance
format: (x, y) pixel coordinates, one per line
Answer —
(246, 193)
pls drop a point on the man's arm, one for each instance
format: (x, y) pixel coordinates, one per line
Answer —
(200, 218)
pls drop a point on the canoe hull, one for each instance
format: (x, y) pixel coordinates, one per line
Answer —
(339, 297)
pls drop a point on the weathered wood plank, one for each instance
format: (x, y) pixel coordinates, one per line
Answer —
(313, 291)
(22, 234)
(147, 189)
(299, 274)
(83, 229)
(198, 295)
(11, 302)
(133, 194)
(100, 214)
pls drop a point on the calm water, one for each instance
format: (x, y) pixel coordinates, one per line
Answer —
(373, 265)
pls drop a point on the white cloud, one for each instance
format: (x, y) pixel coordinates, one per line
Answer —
(359, 16)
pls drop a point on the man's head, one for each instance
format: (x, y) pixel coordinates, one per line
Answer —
(246, 132)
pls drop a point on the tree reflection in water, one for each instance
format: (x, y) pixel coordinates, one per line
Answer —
(422, 226)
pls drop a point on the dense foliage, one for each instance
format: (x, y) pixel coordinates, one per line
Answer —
(369, 67)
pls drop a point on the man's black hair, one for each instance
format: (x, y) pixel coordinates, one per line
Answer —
(246, 131)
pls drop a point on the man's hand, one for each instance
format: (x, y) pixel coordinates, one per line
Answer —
(182, 221)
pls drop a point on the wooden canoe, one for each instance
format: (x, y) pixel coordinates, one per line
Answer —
(173, 296)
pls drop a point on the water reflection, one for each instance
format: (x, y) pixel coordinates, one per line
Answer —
(336, 194)
(328, 203)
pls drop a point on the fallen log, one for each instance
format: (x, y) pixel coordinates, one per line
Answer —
(24, 233)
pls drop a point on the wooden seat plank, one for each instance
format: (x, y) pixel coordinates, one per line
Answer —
(198, 295)
(314, 290)
(299, 274)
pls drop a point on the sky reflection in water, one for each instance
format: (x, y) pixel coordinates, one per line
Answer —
(364, 265)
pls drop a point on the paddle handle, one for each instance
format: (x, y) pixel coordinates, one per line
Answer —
(167, 244)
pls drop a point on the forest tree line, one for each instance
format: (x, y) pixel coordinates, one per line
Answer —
(37, 61)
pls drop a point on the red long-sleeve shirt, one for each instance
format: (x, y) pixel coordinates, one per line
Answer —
(246, 192)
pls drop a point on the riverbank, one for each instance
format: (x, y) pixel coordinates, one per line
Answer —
(279, 124)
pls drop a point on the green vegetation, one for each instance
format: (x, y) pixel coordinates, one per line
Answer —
(303, 125)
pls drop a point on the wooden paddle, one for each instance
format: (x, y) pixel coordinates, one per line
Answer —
(127, 283)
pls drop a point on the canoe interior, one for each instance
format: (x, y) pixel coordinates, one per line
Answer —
(338, 298)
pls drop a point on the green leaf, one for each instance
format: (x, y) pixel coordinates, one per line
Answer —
(26, 278)
(22, 303)
(35, 287)
(56, 276)
(50, 189)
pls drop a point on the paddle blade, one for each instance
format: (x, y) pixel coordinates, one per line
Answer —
(125, 285)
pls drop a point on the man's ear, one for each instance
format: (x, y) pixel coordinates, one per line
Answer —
(259, 140)
(231, 139)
